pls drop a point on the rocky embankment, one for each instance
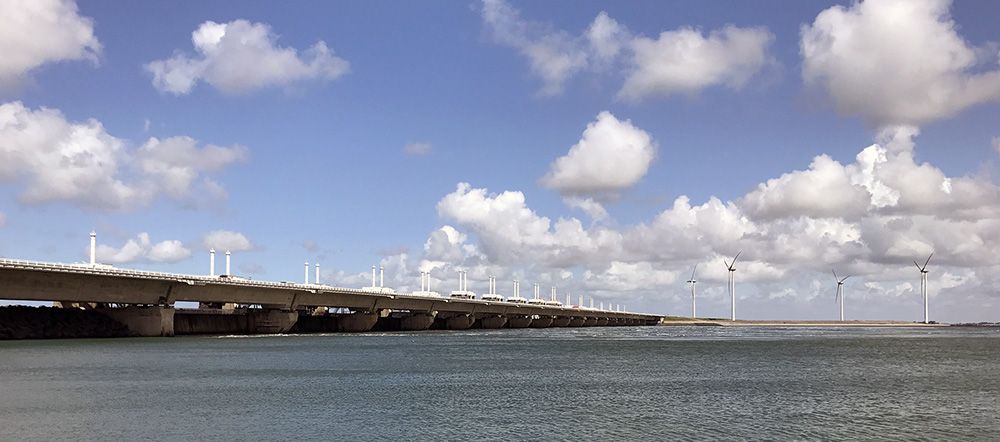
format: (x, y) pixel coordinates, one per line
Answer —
(23, 322)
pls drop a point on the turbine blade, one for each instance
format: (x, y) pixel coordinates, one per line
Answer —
(845, 278)
(835, 275)
(928, 261)
(694, 270)
(727, 264)
(737, 256)
(918, 266)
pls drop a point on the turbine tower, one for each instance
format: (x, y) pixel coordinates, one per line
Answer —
(840, 292)
(693, 282)
(923, 285)
(731, 266)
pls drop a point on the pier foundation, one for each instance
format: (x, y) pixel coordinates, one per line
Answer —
(143, 320)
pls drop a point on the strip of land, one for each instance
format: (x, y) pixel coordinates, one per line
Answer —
(681, 321)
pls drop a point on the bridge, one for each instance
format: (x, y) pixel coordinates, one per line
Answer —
(145, 302)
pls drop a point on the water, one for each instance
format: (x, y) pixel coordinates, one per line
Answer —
(649, 383)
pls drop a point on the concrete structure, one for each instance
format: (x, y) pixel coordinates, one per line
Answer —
(144, 302)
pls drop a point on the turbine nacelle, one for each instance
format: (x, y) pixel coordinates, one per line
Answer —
(731, 266)
(923, 269)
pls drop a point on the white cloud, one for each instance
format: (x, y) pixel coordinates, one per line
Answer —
(418, 148)
(611, 156)
(37, 32)
(446, 244)
(678, 61)
(685, 62)
(869, 217)
(554, 55)
(168, 251)
(239, 57)
(222, 240)
(607, 38)
(996, 144)
(80, 162)
(141, 248)
(592, 208)
(176, 162)
(627, 277)
(825, 190)
(509, 232)
(896, 62)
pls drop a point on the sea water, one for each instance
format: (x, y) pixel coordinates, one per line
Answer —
(622, 383)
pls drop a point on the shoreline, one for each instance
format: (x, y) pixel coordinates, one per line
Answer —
(711, 322)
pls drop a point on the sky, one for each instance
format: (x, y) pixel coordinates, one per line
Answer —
(604, 148)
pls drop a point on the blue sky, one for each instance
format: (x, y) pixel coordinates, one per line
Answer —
(310, 164)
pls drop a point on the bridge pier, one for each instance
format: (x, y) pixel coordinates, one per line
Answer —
(417, 321)
(541, 322)
(577, 321)
(601, 322)
(156, 320)
(561, 321)
(271, 321)
(519, 321)
(459, 322)
(491, 322)
(590, 321)
(356, 322)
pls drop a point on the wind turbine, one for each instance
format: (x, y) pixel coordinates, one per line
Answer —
(694, 283)
(732, 283)
(923, 284)
(840, 292)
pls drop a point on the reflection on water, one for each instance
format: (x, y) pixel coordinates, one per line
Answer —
(651, 383)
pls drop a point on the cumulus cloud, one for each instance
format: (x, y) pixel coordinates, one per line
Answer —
(592, 208)
(682, 61)
(38, 32)
(81, 163)
(685, 61)
(141, 249)
(611, 156)
(626, 277)
(896, 62)
(869, 217)
(177, 162)
(417, 149)
(239, 57)
(222, 240)
(824, 190)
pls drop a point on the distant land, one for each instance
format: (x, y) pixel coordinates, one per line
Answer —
(686, 321)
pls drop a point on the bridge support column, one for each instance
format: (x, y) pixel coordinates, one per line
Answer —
(561, 321)
(577, 321)
(590, 321)
(153, 320)
(541, 322)
(459, 322)
(417, 321)
(519, 321)
(497, 321)
(271, 320)
(357, 322)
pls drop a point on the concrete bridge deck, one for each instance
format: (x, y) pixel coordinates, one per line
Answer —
(134, 290)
